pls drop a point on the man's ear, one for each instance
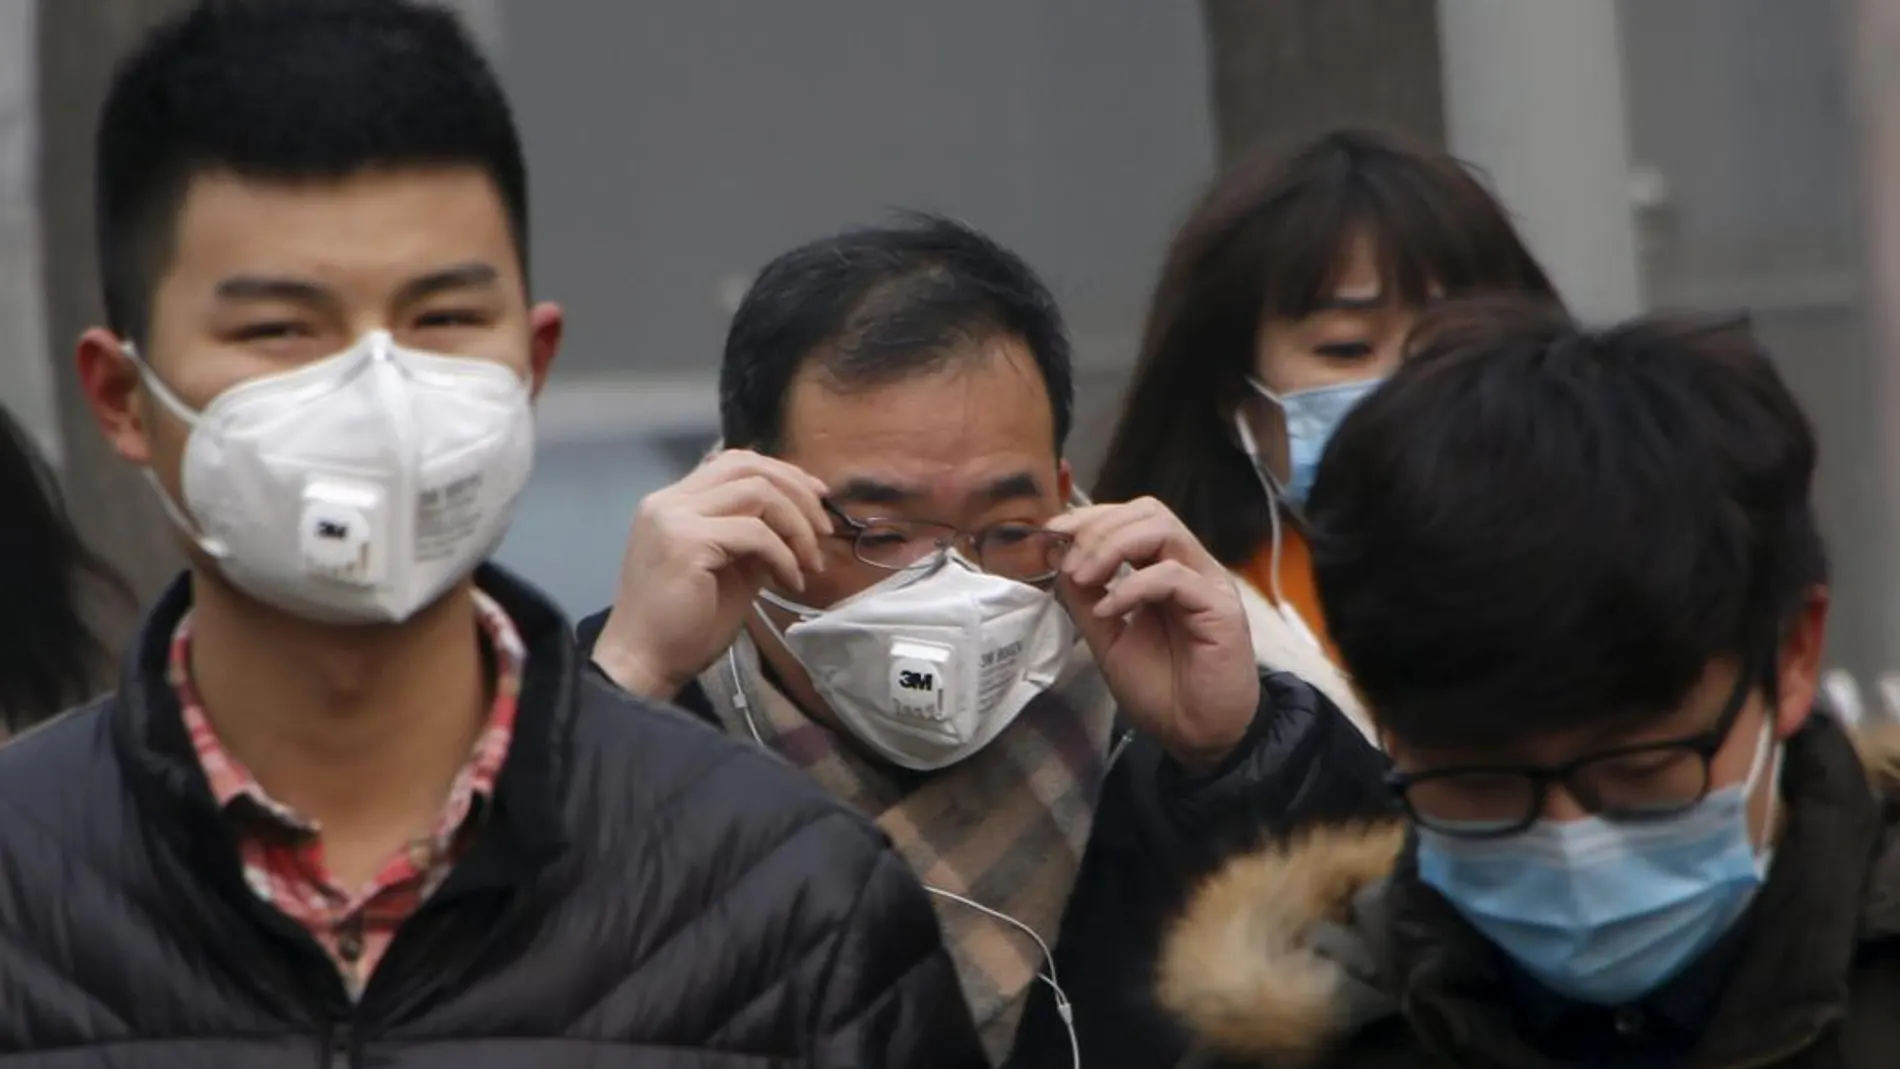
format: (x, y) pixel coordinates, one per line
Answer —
(1065, 481)
(109, 380)
(546, 324)
(1799, 663)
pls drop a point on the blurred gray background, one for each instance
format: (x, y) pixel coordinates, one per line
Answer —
(1658, 153)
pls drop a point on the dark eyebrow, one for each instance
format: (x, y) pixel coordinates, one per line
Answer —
(862, 491)
(1011, 487)
(461, 276)
(270, 288)
(300, 291)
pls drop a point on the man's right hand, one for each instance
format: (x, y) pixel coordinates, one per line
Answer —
(700, 551)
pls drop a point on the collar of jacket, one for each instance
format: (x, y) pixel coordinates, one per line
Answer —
(525, 829)
(1287, 952)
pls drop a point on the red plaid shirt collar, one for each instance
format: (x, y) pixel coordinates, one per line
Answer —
(282, 849)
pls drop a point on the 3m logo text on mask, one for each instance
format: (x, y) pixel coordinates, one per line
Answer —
(918, 690)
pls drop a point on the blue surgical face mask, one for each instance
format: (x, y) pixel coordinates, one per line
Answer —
(1605, 912)
(1311, 418)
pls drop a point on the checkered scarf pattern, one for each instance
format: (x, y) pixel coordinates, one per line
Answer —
(1005, 827)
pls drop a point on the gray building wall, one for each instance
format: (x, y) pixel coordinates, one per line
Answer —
(679, 145)
(1739, 110)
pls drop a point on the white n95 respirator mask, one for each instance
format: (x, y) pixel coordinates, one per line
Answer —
(356, 489)
(926, 670)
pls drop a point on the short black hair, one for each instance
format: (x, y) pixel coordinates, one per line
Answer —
(289, 90)
(1533, 527)
(878, 304)
(50, 657)
(1268, 240)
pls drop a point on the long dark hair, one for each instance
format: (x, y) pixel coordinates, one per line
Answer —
(50, 657)
(1267, 241)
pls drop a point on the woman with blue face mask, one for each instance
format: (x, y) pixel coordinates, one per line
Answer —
(1285, 299)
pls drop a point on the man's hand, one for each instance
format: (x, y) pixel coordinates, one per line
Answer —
(1170, 635)
(700, 551)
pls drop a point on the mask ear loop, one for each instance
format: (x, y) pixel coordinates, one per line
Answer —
(1768, 756)
(766, 596)
(1275, 498)
(148, 376)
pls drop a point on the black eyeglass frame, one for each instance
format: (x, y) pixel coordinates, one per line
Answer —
(1702, 745)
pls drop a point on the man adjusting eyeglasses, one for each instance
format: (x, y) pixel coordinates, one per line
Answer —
(886, 578)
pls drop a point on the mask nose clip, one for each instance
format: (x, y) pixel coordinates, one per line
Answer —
(381, 345)
(955, 556)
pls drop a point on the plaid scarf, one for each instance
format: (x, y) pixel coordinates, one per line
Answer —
(1005, 827)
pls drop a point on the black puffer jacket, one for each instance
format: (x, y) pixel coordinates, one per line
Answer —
(1158, 832)
(644, 893)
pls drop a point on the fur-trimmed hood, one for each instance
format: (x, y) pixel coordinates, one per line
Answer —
(1272, 959)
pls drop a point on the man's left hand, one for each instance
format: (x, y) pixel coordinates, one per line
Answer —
(1169, 634)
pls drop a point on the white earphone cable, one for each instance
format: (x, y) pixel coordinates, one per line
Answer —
(1064, 1009)
(1274, 498)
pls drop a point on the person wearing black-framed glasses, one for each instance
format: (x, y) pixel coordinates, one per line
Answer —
(1645, 780)
(1576, 576)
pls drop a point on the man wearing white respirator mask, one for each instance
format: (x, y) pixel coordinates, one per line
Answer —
(1052, 707)
(357, 801)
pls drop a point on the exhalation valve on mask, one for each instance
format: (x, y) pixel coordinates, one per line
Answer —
(920, 687)
(344, 533)
(357, 488)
